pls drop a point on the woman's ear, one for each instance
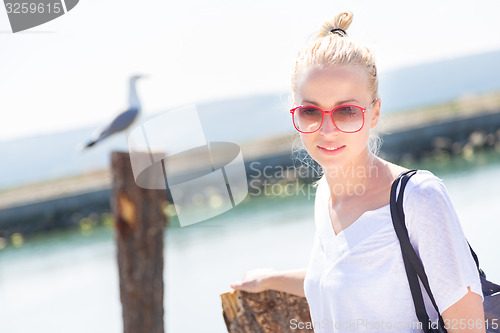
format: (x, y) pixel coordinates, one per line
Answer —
(375, 112)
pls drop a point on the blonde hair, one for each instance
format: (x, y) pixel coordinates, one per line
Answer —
(331, 47)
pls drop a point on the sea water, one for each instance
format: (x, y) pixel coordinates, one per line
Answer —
(68, 281)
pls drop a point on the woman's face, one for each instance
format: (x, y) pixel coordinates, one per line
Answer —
(327, 89)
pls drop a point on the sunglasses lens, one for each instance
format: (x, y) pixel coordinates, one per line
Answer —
(348, 118)
(308, 119)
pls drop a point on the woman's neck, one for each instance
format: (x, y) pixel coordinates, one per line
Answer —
(354, 178)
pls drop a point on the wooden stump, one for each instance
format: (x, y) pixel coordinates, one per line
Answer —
(266, 312)
(139, 230)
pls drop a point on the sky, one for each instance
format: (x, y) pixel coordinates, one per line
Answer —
(72, 72)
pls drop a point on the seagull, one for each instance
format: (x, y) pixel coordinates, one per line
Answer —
(125, 119)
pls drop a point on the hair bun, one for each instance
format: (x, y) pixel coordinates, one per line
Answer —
(337, 25)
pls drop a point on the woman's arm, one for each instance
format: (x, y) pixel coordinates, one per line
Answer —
(255, 281)
(439, 240)
(466, 315)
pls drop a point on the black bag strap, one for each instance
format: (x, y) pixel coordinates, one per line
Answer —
(413, 266)
(409, 250)
(476, 260)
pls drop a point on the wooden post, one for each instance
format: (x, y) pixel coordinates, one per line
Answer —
(139, 230)
(266, 312)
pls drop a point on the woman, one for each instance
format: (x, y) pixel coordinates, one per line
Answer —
(356, 280)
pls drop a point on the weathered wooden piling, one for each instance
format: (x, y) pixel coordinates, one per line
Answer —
(266, 312)
(139, 229)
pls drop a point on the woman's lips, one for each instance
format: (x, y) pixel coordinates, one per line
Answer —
(331, 150)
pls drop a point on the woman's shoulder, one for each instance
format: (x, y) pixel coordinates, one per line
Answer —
(425, 189)
(424, 181)
(322, 189)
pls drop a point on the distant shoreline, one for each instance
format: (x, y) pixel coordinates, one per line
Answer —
(456, 128)
(465, 108)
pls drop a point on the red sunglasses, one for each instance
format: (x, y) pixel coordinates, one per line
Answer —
(346, 118)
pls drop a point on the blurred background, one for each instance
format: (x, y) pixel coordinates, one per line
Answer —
(440, 89)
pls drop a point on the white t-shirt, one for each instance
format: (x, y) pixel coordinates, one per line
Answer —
(356, 280)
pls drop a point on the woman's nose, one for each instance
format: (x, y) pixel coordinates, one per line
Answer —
(328, 127)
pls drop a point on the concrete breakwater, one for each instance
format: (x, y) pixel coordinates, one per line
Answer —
(406, 137)
(54, 205)
(451, 136)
